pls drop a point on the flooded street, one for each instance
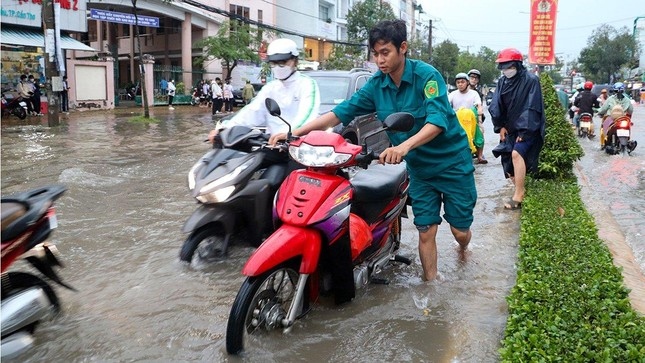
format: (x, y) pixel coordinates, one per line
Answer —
(120, 234)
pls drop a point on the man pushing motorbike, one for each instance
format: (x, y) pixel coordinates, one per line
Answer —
(436, 149)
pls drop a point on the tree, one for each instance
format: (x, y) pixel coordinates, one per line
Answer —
(446, 58)
(607, 51)
(343, 57)
(364, 15)
(234, 41)
(144, 91)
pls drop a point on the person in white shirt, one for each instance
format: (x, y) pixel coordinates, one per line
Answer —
(216, 92)
(297, 94)
(227, 90)
(171, 93)
(465, 97)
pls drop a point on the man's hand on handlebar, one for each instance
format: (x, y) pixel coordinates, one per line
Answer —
(275, 138)
(212, 134)
(392, 155)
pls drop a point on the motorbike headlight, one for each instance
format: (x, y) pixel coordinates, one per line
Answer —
(218, 195)
(212, 191)
(317, 156)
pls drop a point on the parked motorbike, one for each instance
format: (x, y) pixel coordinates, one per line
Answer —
(335, 232)
(584, 124)
(28, 219)
(618, 139)
(234, 192)
(13, 105)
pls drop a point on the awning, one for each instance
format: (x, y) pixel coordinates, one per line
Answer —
(35, 38)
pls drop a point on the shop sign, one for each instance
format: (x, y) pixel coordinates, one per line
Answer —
(124, 18)
(28, 13)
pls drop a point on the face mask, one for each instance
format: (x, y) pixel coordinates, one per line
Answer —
(509, 72)
(282, 72)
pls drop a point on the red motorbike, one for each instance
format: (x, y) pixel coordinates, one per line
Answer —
(28, 219)
(13, 105)
(334, 234)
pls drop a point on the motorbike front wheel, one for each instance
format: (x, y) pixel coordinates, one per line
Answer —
(260, 306)
(20, 113)
(209, 243)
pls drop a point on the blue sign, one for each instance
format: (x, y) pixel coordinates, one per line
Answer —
(123, 18)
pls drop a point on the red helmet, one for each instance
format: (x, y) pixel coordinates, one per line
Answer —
(508, 55)
(588, 85)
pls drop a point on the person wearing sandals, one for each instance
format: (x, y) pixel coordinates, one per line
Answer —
(517, 110)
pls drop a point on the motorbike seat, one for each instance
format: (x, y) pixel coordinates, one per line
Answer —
(11, 211)
(379, 182)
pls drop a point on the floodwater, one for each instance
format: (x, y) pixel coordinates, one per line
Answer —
(120, 234)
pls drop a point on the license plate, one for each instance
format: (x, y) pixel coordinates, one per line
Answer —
(53, 222)
(22, 104)
(622, 133)
(586, 124)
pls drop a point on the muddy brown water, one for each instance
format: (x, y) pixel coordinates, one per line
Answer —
(120, 233)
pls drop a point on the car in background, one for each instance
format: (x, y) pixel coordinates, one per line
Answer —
(597, 89)
(338, 86)
(237, 94)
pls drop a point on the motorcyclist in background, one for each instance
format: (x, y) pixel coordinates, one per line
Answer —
(297, 94)
(586, 102)
(617, 99)
(573, 109)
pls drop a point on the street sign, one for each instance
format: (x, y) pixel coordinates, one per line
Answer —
(123, 18)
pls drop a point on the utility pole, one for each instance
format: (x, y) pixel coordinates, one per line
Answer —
(49, 27)
(430, 42)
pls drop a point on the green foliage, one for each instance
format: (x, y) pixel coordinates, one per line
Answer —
(445, 58)
(180, 88)
(418, 49)
(561, 148)
(607, 51)
(364, 15)
(234, 41)
(343, 57)
(569, 303)
(143, 120)
(484, 62)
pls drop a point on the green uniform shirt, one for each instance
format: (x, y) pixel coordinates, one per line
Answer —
(423, 94)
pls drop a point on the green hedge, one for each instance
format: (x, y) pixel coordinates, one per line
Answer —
(569, 303)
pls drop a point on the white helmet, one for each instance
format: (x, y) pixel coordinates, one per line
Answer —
(281, 50)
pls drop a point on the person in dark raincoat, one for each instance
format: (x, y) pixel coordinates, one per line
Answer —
(517, 110)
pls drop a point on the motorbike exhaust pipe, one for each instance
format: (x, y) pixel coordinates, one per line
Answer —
(23, 309)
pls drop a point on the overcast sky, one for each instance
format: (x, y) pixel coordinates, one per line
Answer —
(500, 24)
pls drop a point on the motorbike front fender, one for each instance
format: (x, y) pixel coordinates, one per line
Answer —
(205, 214)
(284, 244)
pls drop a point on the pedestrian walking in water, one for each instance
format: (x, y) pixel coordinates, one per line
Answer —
(171, 93)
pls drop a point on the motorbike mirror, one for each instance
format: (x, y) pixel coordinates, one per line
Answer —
(272, 106)
(274, 110)
(399, 121)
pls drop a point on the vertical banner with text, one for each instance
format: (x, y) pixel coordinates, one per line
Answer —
(542, 36)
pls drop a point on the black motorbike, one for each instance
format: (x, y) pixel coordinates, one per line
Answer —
(13, 105)
(28, 220)
(234, 189)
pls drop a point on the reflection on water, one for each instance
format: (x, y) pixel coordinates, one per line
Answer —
(120, 233)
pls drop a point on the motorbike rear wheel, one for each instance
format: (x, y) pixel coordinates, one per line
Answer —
(260, 306)
(20, 113)
(208, 242)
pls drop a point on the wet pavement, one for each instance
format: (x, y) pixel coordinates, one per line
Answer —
(120, 233)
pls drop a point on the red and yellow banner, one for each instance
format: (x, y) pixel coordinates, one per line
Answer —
(542, 37)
